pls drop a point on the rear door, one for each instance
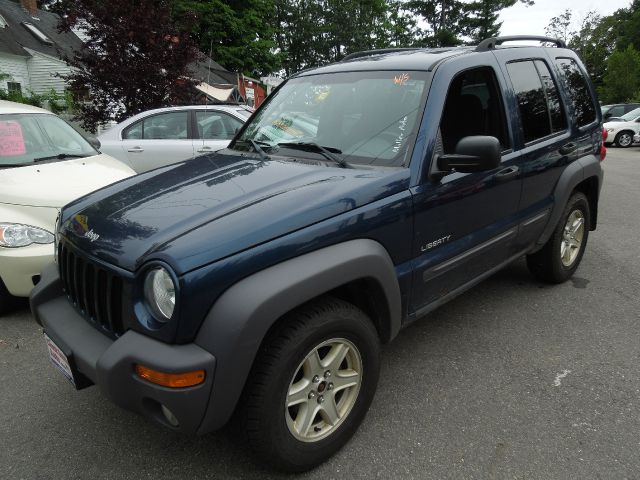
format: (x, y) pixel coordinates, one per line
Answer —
(465, 223)
(158, 140)
(214, 130)
(544, 136)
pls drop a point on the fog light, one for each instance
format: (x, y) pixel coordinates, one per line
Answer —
(171, 418)
(171, 380)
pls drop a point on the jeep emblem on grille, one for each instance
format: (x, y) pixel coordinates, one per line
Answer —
(91, 235)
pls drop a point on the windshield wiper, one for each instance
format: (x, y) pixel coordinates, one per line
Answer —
(60, 156)
(314, 147)
(257, 148)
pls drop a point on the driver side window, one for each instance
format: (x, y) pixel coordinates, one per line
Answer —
(473, 107)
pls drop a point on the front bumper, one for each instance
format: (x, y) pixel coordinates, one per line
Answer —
(20, 266)
(110, 364)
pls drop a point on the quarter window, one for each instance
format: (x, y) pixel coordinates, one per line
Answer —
(584, 107)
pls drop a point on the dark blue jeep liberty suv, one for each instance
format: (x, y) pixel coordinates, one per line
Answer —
(258, 282)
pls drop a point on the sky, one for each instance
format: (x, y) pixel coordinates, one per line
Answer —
(521, 20)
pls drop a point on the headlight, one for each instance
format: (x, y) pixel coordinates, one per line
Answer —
(610, 130)
(160, 294)
(16, 235)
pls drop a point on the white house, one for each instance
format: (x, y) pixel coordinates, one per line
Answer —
(32, 49)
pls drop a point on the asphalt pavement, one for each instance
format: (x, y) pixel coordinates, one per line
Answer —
(514, 379)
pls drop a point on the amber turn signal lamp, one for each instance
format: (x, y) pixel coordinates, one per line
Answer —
(171, 380)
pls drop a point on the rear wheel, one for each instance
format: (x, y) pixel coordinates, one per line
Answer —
(311, 385)
(624, 139)
(561, 255)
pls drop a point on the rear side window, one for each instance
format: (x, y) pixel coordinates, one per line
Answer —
(584, 107)
(556, 113)
(540, 108)
(165, 126)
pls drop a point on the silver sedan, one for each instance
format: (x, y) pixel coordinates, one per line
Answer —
(167, 135)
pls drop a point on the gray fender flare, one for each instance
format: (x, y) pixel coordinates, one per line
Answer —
(239, 320)
(575, 173)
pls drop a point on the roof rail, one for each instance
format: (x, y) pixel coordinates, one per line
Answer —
(491, 43)
(367, 53)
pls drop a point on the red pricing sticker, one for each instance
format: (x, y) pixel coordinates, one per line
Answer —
(11, 139)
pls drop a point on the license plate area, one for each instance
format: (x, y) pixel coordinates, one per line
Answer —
(63, 361)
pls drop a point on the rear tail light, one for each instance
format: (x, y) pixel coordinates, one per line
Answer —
(603, 149)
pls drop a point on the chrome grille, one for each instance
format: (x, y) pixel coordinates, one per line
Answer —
(94, 291)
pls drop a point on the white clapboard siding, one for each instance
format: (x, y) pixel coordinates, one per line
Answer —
(43, 71)
(16, 67)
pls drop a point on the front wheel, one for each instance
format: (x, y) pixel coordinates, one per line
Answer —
(624, 139)
(311, 385)
(561, 255)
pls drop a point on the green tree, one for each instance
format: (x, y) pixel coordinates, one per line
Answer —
(402, 26)
(137, 57)
(622, 80)
(561, 26)
(594, 41)
(443, 18)
(240, 35)
(628, 26)
(480, 18)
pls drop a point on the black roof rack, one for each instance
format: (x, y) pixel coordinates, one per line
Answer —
(491, 43)
(368, 53)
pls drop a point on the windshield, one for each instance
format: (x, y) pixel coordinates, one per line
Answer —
(27, 137)
(361, 117)
(631, 116)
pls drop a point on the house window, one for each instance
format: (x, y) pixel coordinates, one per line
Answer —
(37, 33)
(14, 88)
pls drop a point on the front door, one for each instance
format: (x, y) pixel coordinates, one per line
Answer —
(214, 130)
(465, 223)
(158, 140)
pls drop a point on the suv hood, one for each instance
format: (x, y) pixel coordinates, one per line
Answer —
(196, 212)
(56, 183)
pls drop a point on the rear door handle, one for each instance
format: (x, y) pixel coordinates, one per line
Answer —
(136, 150)
(568, 148)
(507, 173)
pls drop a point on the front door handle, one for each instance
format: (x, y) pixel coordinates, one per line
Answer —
(204, 150)
(507, 173)
(568, 148)
(136, 150)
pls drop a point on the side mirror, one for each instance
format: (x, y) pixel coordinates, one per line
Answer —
(607, 115)
(472, 154)
(94, 142)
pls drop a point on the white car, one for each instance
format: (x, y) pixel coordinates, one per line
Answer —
(621, 133)
(44, 164)
(168, 135)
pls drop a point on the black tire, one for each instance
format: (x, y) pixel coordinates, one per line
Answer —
(547, 264)
(263, 410)
(624, 139)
